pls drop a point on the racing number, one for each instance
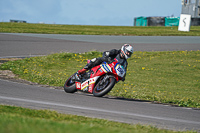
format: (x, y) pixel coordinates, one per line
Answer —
(120, 70)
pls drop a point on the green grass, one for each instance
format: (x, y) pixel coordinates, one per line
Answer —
(96, 30)
(171, 77)
(22, 120)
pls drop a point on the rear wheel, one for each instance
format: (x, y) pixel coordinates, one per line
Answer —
(104, 86)
(70, 86)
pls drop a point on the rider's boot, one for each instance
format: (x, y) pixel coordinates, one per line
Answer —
(78, 75)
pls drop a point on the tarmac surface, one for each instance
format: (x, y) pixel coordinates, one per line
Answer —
(16, 44)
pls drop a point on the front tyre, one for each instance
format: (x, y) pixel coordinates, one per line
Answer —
(70, 86)
(103, 86)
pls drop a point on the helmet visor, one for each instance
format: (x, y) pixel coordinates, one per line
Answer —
(128, 53)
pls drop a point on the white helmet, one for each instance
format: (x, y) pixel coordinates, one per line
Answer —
(127, 51)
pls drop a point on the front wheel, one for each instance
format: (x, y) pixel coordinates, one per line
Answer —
(104, 86)
(70, 86)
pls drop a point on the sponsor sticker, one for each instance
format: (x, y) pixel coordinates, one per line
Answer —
(88, 82)
(78, 85)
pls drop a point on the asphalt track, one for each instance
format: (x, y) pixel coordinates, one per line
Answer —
(42, 44)
(123, 110)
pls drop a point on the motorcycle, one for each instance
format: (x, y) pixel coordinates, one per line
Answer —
(99, 80)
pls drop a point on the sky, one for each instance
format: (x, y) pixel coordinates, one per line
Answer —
(86, 12)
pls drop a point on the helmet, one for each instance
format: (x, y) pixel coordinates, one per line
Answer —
(126, 51)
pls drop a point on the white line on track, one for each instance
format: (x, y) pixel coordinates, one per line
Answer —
(99, 110)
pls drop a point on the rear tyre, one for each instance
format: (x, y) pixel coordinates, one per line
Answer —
(102, 89)
(70, 86)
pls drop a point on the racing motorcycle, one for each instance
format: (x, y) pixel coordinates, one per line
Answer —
(99, 80)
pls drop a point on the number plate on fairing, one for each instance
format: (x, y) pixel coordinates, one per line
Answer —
(120, 70)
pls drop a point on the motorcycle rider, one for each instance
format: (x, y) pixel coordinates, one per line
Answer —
(122, 55)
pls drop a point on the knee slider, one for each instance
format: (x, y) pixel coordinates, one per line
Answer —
(93, 60)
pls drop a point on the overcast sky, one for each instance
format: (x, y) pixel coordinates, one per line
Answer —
(86, 12)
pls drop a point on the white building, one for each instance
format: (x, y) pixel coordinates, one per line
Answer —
(191, 7)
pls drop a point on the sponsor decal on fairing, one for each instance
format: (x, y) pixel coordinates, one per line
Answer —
(78, 85)
(106, 68)
(88, 82)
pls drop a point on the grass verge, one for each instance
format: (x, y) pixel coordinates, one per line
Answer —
(22, 120)
(167, 77)
(96, 30)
